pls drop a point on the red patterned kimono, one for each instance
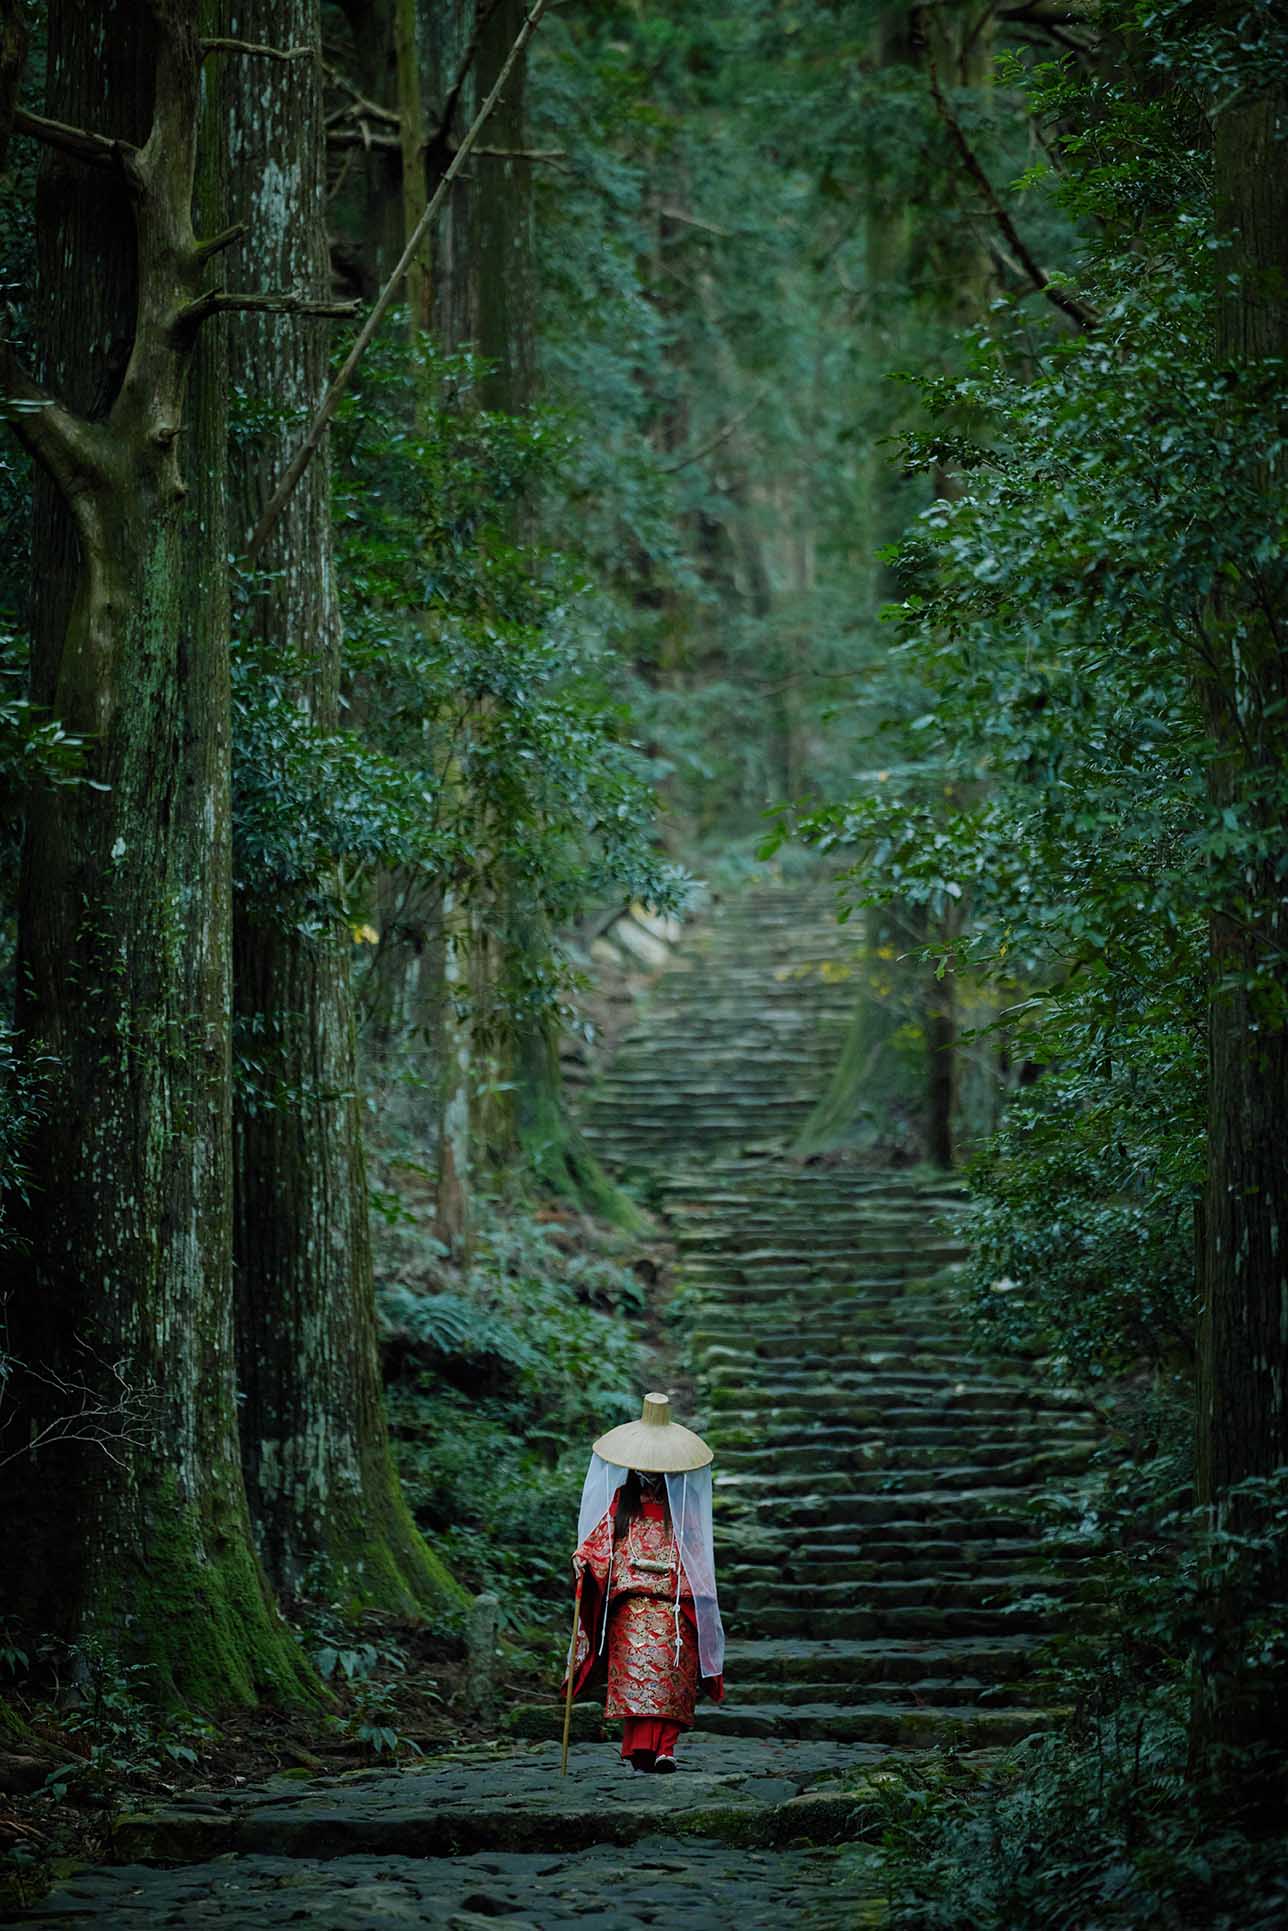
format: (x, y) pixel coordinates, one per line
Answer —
(653, 1678)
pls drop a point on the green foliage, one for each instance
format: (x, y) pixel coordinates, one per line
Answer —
(501, 1382)
(373, 1721)
(109, 1716)
(1046, 799)
(478, 672)
(1100, 1823)
(1080, 1225)
(314, 811)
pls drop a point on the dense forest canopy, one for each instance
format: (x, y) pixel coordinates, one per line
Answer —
(834, 435)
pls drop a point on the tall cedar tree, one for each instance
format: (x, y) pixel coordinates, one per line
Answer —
(1243, 1346)
(131, 1495)
(324, 1496)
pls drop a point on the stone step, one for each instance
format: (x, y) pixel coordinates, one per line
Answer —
(970, 1724)
(1022, 1472)
(879, 1398)
(966, 1514)
(776, 1537)
(819, 1258)
(855, 1424)
(720, 1368)
(876, 1559)
(753, 1241)
(915, 1693)
(746, 1601)
(923, 1620)
(830, 1462)
(773, 1660)
(895, 1725)
(824, 1288)
(760, 1332)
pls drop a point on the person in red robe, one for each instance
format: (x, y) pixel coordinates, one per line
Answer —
(644, 1572)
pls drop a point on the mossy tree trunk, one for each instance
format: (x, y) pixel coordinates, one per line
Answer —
(328, 1510)
(122, 1315)
(1242, 1412)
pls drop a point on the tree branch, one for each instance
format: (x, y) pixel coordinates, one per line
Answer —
(692, 221)
(216, 244)
(361, 136)
(317, 428)
(1078, 311)
(55, 437)
(523, 154)
(221, 301)
(97, 149)
(714, 442)
(359, 106)
(220, 44)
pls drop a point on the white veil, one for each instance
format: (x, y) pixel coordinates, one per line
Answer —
(603, 1479)
(689, 1497)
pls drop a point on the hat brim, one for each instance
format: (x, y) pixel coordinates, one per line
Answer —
(666, 1450)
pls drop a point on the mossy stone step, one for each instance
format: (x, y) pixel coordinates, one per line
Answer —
(893, 1561)
(972, 1725)
(848, 1477)
(913, 1693)
(747, 1600)
(876, 1401)
(860, 1661)
(967, 1514)
(927, 1620)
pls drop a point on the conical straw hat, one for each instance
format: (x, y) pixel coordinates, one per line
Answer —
(654, 1444)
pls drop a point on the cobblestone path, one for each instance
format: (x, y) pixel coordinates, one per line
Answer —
(879, 1573)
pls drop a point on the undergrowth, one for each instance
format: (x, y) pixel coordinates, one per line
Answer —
(500, 1375)
(1100, 1823)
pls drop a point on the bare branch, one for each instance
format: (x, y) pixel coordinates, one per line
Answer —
(114, 1419)
(221, 301)
(1078, 311)
(317, 428)
(97, 149)
(523, 154)
(366, 137)
(714, 442)
(360, 137)
(359, 106)
(692, 221)
(207, 250)
(59, 440)
(220, 44)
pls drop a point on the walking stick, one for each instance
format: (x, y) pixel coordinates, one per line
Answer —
(572, 1671)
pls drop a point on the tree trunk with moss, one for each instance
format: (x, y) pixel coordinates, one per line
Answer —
(1242, 1410)
(121, 1319)
(329, 1514)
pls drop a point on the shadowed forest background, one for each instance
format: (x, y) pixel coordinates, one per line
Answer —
(825, 438)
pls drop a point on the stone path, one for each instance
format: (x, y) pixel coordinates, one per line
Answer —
(879, 1571)
(743, 1828)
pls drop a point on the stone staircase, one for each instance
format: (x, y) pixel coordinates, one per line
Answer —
(880, 1571)
(882, 1584)
(738, 1039)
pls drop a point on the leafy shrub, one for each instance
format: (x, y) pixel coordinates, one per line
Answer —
(109, 1716)
(1102, 1823)
(503, 1378)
